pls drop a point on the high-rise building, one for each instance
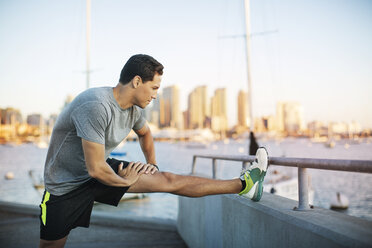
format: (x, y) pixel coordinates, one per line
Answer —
(219, 111)
(290, 117)
(354, 127)
(316, 129)
(203, 92)
(162, 122)
(10, 116)
(198, 107)
(51, 122)
(193, 111)
(185, 115)
(68, 100)
(337, 128)
(170, 115)
(10, 119)
(35, 120)
(154, 115)
(264, 124)
(243, 112)
(280, 116)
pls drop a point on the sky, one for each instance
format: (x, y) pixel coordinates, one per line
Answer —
(317, 53)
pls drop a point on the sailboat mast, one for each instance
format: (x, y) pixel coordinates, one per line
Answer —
(88, 42)
(248, 51)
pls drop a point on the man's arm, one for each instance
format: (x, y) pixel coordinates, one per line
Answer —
(94, 154)
(147, 143)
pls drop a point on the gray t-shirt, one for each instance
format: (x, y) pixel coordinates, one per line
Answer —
(94, 115)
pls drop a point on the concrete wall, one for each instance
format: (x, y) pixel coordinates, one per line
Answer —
(234, 221)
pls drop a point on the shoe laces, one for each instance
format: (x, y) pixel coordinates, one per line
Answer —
(250, 167)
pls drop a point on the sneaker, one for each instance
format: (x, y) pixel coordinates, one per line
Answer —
(254, 175)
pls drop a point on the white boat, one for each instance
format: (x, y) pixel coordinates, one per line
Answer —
(330, 144)
(42, 144)
(9, 175)
(196, 145)
(340, 202)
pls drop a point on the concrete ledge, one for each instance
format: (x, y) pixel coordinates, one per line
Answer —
(99, 218)
(107, 219)
(234, 221)
(19, 208)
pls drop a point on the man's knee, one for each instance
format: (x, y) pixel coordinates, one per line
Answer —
(169, 182)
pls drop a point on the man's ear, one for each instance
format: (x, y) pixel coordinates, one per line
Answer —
(136, 81)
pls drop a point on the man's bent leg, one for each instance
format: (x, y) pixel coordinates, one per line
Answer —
(60, 243)
(191, 186)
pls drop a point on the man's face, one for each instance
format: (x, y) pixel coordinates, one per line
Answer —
(148, 91)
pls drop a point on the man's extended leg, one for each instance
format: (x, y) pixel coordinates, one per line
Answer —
(191, 186)
(249, 184)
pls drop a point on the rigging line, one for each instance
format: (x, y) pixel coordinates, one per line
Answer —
(221, 47)
(251, 35)
(267, 62)
(278, 49)
(244, 36)
(269, 44)
(270, 58)
(78, 23)
(75, 38)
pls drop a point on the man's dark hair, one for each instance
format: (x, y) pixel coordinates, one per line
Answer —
(141, 65)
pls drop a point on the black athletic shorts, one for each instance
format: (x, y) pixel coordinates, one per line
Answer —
(60, 214)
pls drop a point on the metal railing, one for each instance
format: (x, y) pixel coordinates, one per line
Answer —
(363, 166)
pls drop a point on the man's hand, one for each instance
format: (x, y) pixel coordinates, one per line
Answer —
(151, 169)
(134, 170)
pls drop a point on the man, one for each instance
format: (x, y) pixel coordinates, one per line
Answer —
(79, 172)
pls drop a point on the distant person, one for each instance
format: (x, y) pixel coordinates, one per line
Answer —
(78, 170)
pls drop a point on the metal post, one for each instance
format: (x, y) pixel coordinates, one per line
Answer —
(248, 54)
(193, 164)
(214, 169)
(303, 194)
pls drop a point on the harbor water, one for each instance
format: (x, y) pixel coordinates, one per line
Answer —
(177, 157)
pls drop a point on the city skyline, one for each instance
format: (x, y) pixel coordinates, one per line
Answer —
(209, 112)
(194, 124)
(324, 63)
